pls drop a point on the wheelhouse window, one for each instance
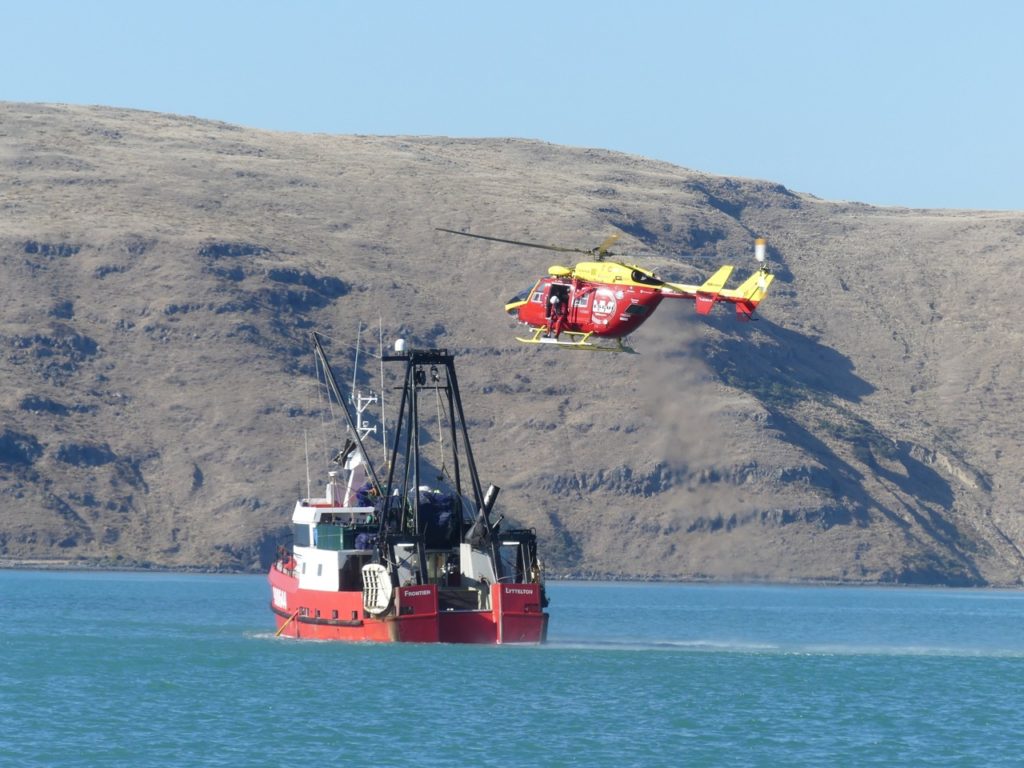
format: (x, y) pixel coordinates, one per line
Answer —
(301, 531)
(511, 561)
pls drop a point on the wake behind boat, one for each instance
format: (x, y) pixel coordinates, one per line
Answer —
(395, 559)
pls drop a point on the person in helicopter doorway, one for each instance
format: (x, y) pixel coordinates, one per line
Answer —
(558, 309)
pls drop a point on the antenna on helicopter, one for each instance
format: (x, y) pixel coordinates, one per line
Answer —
(760, 254)
(760, 246)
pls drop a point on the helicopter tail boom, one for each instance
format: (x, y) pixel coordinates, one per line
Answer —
(746, 297)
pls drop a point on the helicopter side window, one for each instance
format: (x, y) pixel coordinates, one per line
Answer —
(645, 279)
(538, 297)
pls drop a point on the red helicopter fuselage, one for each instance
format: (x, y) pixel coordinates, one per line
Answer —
(609, 299)
(612, 311)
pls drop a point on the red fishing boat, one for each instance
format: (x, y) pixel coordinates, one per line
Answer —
(398, 559)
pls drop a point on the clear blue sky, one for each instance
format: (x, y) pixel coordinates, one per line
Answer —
(891, 103)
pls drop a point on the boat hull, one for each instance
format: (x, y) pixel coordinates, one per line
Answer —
(416, 616)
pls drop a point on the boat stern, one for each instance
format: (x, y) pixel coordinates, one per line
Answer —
(519, 613)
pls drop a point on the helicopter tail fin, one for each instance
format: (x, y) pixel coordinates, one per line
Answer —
(708, 293)
(750, 293)
(716, 282)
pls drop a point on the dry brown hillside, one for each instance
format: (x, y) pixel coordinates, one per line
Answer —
(160, 276)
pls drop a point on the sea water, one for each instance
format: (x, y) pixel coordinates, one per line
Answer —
(147, 669)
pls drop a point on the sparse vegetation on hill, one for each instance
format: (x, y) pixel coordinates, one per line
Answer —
(160, 276)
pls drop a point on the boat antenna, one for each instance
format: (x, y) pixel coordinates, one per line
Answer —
(333, 384)
(355, 366)
(305, 442)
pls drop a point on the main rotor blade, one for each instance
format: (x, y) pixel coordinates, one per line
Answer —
(602, 249)
(520, 242)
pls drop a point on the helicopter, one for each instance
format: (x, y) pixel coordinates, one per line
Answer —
(597, 303)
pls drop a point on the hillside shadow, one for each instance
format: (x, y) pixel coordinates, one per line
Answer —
(846, 483)
(918, 479)
(783, 365)
(781, 368)
(840, 478)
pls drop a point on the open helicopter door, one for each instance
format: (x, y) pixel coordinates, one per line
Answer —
(559, 291)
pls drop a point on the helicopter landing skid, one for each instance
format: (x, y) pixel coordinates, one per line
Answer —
(577, 340)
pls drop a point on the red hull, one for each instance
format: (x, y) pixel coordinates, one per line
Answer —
(517, 615)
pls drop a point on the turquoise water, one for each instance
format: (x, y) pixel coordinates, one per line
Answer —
(134, 669)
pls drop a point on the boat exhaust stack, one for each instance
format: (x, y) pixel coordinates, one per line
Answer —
(333, 495)
(490, 497)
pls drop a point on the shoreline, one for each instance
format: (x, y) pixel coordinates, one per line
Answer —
(43, 564)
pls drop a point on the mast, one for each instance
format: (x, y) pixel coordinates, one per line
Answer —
(416, 363)
(383, 416)
(341, 401)
(483, 504)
